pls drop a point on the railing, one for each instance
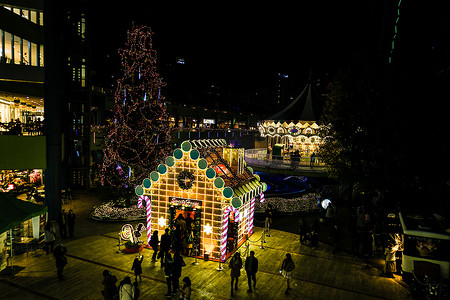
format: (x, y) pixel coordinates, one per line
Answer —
(259, 157)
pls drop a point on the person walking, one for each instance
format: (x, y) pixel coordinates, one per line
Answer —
(164, 246)
(154, 241)
(109, 285)
(62, 224)
(235, 266)
(126, 289)
(251, 267)
(168, 273)
(186, 289)
(286, 270)
(71, 222)
(60, 260)
(137, 267)
(49, 237)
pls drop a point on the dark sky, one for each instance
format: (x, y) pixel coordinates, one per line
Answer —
(243, 41)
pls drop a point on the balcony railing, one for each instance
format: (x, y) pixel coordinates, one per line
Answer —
(259, 157)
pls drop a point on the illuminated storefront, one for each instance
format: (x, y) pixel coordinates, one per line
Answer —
(210, 182)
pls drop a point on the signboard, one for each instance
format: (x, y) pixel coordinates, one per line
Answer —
(425, 247)
(184, 201)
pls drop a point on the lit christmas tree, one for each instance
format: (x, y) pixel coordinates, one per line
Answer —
(139, 133)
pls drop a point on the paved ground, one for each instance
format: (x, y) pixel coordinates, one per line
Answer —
(319, 274)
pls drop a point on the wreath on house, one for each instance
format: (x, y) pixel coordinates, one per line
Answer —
(185, 180)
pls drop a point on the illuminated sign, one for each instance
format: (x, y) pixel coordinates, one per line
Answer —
(186, 202)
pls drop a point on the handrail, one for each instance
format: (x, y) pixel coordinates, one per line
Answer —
(259, 157)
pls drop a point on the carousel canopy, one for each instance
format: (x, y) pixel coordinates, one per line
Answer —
(306, 107)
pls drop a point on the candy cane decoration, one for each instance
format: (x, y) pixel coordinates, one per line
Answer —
(223, 242)
(261, 198)
(148, 204)
(251, 215)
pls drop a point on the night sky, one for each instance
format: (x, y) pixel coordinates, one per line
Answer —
(236, 42)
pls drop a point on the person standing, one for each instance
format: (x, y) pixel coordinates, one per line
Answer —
(71, 222)
(286, 270)
(335, 237)
(315, 230)
(62, 224)
(251, 267)
(109, 285)
(178, 264)
(269, 215)
(164, 246)
(389, 266)
(303, 230)
(235, 266)
(49, 237)
(168, 273)
(60, 260)
(126, 289)
(154, 241)
(137, 267)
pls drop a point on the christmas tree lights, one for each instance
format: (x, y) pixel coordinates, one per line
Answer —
(139, 133)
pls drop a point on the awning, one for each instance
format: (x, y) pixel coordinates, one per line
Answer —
(14, 211)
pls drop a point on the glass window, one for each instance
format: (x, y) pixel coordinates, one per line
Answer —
(41, 55)
(33, 16)
(26, 52)
(41, 18)
(33, 54)
(26, 14)
(8, 47)
(83, 73)
(16, 49)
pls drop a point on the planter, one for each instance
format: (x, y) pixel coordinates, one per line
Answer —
(134, 249)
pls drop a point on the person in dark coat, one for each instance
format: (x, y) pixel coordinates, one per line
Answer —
(62, 224)
(235, 266)
(251, 267)
(178, 263)
(154, 241)
(168, 273)
(109, 285)
(60, 260)
(137, 267)
(303, 230)
(335, 237)
(71, 222)
(315, 230)
(164, 246)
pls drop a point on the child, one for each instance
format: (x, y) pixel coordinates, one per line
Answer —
(137, 266)
(186, 289)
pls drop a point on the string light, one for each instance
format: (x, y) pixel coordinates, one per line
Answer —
(140, 134)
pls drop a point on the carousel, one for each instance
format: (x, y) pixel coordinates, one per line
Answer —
(295, 128)
(209, 183)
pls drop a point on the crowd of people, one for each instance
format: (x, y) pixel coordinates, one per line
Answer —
(16, 127)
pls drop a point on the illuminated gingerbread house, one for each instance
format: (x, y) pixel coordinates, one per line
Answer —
(296, 126)
(211, 183)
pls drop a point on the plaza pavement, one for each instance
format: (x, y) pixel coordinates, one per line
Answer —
(318, 273)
